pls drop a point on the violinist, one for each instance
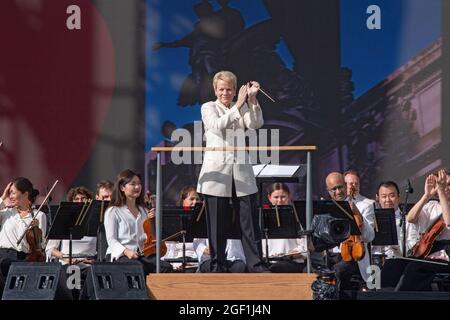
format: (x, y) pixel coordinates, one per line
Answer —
(188, 198)
(364, 215)
(352, 180)
(16, 220)
(84, 249)
(418, 275)
(290, 253)
(124, 221)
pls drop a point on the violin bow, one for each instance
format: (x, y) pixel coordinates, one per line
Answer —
(39, 209)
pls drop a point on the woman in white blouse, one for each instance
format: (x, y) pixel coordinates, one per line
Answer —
(288, 254)
(124, 223)
(15, 220)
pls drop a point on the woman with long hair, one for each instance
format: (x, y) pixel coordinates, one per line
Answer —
(16, 219)
(124, 221)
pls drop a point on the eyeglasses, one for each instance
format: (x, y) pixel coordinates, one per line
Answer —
(336, 188)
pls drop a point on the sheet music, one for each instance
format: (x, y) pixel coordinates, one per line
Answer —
(271, 170)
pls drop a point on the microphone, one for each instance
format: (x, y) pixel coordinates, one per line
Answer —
(410, 189)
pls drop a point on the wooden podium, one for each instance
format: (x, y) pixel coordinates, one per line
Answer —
(230, 286)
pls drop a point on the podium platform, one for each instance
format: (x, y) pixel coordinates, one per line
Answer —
(230, 286)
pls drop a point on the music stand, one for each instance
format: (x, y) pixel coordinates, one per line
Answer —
(69, 223)
(269, 173)
(182, 221)
(96, 228)
(280, 222)
(190, 223)
(386, 229)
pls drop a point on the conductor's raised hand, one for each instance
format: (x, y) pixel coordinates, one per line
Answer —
(242, 96)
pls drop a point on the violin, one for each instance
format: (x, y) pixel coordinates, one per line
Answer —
(33, 235)
(34, 238)
(423, 247)
(149, 229)
(353, 248)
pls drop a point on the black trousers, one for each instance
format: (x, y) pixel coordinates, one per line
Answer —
(218, 216)
(236, 266)
(149, 263)
(8, 256)
(344, 273)
(287, 266)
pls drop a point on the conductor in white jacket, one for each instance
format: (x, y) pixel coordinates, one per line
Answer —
(224, 175)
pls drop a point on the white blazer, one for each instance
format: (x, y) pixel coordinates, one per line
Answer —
(221, 167)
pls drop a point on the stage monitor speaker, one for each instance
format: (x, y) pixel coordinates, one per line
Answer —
(36, 281)
(115, 281)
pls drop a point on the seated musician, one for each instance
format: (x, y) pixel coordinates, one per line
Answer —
(364, 213)
(418, 275)
(388, 197)
(352, 179)
(188, 198)
(289, 253)
(104, 190)
(84, 250)
(15, 220)
(124, 220)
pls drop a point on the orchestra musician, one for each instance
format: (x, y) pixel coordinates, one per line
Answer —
(290, 253)
(188, 198)
(84, 249)
(16, 220)
(124, 221)
(104, 190)
(224, 176)
(363, 212)
(417, 275)
(388, 197)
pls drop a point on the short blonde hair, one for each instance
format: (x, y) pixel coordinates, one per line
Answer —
(226, 76)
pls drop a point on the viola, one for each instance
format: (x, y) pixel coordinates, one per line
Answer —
(149, 229)
(353, 248)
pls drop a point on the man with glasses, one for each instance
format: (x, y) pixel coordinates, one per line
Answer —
(337, 190)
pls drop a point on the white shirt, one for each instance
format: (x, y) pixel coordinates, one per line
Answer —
(85, 246)
(281, 247)
(13, 227)
(175, 250)
(412, 236)
(124, 231)
(428, 215)
(234, 249)
(221, 168)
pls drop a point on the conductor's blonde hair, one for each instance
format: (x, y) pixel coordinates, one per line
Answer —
(226, 76)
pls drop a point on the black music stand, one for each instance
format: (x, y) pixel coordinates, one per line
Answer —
(385, 229)
(190, 223)
(280, 222)
(268, 173)
(386, 235)
(96, 228)
(182, 221)
(69, 223)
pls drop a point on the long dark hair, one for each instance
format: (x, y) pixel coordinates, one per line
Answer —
(25, 185)
(118, 198)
